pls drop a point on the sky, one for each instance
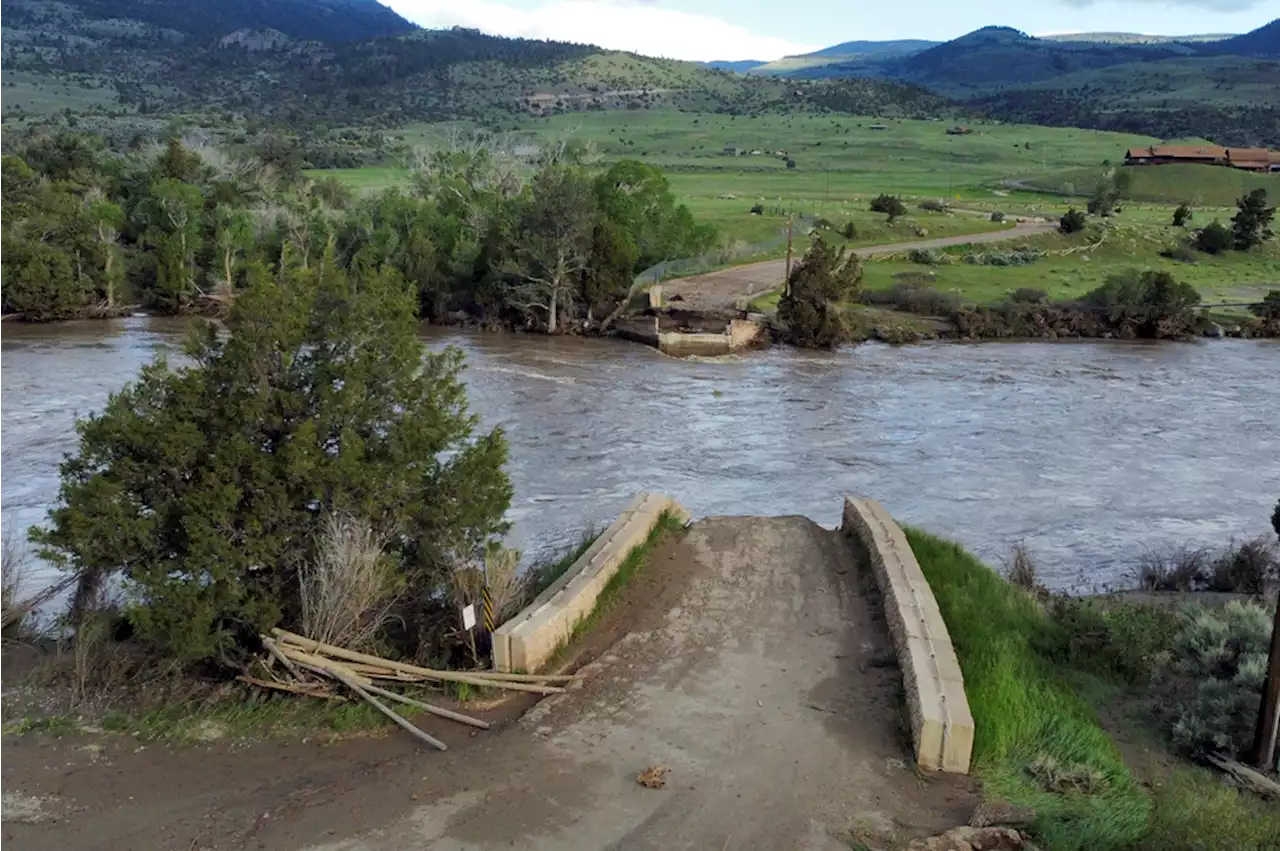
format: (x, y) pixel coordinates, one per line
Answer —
(703, 30)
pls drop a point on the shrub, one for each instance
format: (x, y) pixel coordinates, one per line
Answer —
(347, 588)
(1125, 642)
(1028, 295)
(1179, 569)
(1073, 221)
(14, 569)
(849, 231)
(757, 209)
(1017, 257)
(1221, 657)
(1149, 304)
(1020, 570)
(1269, 309)
(1249, 568)
(926, 257)
(1181, 253)
(203, 488)
(1182, 215)
(890, 205)
(933, 205)
(1213, 238)
(997, 216)
(914, 297)
(822, 223)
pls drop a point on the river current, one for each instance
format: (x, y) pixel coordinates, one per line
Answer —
(1089, 453)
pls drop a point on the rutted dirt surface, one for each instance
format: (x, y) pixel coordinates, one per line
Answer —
(747, 663)
(723, 289)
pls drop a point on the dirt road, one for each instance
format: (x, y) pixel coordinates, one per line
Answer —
(748, 662)
(723, 289)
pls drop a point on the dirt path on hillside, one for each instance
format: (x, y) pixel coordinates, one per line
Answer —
(723, 289)
(747, 661)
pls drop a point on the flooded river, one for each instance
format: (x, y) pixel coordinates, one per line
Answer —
(1088, 452)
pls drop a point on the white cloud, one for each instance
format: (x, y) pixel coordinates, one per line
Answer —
(632, 25)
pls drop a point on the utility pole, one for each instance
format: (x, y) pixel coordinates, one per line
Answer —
(1264, 740)
(786, 283)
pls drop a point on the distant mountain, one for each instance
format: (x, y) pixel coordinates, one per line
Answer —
(875, 48)
(1264, 42)
(738, 66)
(200, 21)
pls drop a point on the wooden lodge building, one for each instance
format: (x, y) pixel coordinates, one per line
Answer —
(1249, 159)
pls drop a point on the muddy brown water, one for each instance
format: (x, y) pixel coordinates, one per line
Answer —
(1087, 452)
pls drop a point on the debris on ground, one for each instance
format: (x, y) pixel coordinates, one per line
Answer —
(312, 668)
(975, 839)
(24, 809)
(653, 777)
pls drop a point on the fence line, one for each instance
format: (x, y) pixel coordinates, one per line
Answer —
(727, 255)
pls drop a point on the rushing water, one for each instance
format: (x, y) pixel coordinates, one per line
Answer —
(1089, 453)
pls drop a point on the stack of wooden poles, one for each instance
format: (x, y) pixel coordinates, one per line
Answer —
(305, 659)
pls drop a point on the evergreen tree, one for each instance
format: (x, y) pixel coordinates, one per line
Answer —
(1251, 225)
(817, 285)
(203, 487)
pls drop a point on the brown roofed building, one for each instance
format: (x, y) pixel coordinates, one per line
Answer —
(1157, 154)
(1252, 159)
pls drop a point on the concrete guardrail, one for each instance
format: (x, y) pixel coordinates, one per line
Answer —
(941, 724)
(529, 639)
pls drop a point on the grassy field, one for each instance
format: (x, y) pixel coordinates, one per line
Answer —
(38, 94)
(841, 163)
(1197, 185)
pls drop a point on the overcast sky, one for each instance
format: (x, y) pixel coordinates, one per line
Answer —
(768, 29)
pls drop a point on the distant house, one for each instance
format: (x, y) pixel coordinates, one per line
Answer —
(1248, 159)
(959, 131)
(1161, 154)
(878, 127)
(1254, 159)
(731, 151)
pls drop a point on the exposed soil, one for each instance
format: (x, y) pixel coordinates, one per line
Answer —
(723, 289)
(744, 658)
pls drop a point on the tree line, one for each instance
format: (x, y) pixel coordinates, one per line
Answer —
(482, 236)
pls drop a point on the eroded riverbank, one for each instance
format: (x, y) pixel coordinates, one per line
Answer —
(1089, 453)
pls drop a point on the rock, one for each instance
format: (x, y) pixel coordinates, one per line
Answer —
(1215, 331)
(973, 839)
(1001, 813)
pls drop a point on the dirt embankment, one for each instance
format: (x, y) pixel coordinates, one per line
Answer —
(747, 658)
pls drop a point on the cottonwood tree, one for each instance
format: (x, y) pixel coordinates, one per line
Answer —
(555, 226)
(174, 232)
(232, 241)
(108, 220)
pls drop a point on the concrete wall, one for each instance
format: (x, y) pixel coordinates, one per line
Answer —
(529, 639)
(941, 724)
(737, 334)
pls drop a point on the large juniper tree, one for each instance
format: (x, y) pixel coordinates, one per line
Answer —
(202, 487)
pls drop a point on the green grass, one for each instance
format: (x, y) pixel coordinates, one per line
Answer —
(668, 524)
(1135, 239)
(1196, 811)
(543, 576)
(1197, 185)
(1024, 709)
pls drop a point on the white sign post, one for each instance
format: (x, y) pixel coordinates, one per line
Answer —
(469, 617)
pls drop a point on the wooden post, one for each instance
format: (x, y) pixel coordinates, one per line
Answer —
(1264, 740)
(786, 282)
